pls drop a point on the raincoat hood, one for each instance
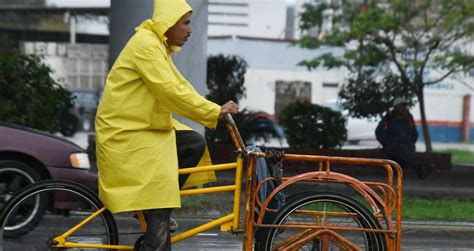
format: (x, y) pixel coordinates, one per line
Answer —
(166, 13)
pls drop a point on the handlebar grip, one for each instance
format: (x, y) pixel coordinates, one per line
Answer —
(234, 132)
(229, 118)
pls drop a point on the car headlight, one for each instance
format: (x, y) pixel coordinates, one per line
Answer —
(80, 160)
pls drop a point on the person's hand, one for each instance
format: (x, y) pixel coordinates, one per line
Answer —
(229, 107)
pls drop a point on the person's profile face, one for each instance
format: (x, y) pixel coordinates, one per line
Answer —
(179, 33)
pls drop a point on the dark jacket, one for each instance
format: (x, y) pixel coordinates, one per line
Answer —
(396, 130)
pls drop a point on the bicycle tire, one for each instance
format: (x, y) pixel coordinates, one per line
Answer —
(68, 203)
(335, 201)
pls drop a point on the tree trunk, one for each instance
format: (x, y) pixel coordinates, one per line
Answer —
(424, 123)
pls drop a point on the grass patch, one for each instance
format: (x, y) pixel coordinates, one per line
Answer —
(459, 156)
(207, 204)
(433, 209)
(437, 209)
(413, 207)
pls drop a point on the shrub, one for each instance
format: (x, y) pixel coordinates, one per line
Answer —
(309, 125)
(28, 95)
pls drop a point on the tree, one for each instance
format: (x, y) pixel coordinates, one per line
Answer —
(28, 95)
(225, 81)
(312, 126)
(389, 45)
(6, 44)
(225, 78)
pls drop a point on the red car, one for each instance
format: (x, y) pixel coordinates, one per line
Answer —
(28, 155)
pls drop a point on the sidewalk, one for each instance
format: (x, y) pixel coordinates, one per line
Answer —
(438, 226)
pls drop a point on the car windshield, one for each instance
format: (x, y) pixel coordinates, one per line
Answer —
(85, 98)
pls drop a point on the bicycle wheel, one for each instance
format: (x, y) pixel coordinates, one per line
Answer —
(42, 211)
(324, 209)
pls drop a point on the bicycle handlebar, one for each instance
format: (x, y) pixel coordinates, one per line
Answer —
(234, 133)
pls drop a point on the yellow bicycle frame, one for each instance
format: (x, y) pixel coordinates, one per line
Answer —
(229, 222)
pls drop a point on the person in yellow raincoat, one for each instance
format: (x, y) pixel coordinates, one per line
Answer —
(139, 144)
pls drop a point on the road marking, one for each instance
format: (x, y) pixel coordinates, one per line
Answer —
(207, 234)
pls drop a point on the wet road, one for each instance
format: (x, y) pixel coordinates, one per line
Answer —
(415, 237)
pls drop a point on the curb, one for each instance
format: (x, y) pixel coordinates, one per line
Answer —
(438, 226)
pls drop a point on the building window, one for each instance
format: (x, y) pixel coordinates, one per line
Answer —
(228, 24)
(228, 14)
(289, 91)
(330, 85)
(229, 4)
(85, 73)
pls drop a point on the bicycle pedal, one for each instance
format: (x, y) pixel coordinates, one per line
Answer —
(173, 225)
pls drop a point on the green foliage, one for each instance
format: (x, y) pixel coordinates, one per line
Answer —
(383, 40)
(6, 44)
(401, 39)
(225, 81)
(28, 95)
(313, 17)
(372, 97)
(312, 126)
(225, 78)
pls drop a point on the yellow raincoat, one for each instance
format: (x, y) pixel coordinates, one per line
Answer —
(135, 130)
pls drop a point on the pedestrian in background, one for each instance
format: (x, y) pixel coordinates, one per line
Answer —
(397, 133)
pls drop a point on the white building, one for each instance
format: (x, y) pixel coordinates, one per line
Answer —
(273, 79)
(262, 18)
(272, 68)
(75, 66)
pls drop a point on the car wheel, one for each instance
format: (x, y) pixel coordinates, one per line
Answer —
(15, 175)
(69, 125)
